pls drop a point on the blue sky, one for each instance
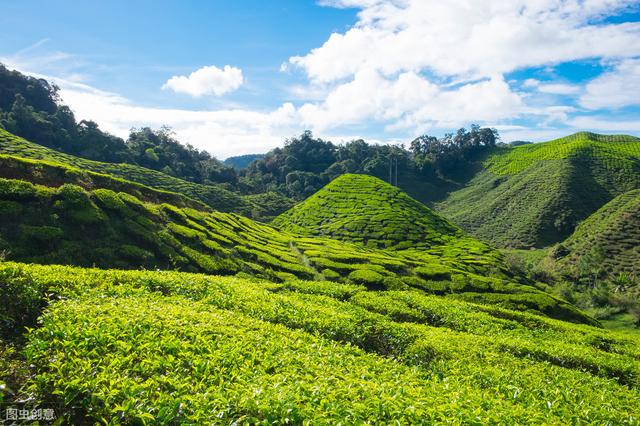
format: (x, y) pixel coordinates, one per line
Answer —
(240, 76)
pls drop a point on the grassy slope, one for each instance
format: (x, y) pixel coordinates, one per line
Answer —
(535, 195)
(69, 225)
(211, 195)
(615, 230)
(56, 174)
(366, 210)
(167, 347)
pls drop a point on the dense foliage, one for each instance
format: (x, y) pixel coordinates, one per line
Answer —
(167, 347)
(305, 164)
(31, 108)
(453, 152)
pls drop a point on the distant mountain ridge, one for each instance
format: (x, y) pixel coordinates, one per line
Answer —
(243, 161)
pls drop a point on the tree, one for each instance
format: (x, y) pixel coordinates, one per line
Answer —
(97, 145)
(159, 150)
(453, 151)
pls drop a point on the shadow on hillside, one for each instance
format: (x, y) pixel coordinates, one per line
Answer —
(433, 190)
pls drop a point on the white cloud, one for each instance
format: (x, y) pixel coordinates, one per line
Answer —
(412, 102)
(605, 124)
(552, 88)
(485, 101)
(469, 37)
(368, 96)
(531, 82)
(532, 135)
(209, 80)
(614, 89)
(221, 132)
(418, 64)
(559, 89)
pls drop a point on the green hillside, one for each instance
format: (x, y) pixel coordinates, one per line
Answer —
(68, 225)
(535, 195)
(56, 174)
(610, 236)
(173, 348)
(366, 210)
(214, 196)
(358, 306)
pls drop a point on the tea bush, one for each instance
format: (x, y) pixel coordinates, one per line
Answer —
(161, 347)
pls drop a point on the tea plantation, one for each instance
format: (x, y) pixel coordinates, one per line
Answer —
(168, 347)
(612, 234)
(56, 174)
(535, 195)
(211, 195)
(68, 225)
(366, 210)
(133, 297)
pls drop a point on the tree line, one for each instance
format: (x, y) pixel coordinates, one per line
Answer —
(304, 164)
(31, 108)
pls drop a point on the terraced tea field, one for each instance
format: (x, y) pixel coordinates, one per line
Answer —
(167, 347)
(68, 225)
(535, 195)
(214, 196)
(366, 210)
(360, 306)
(613, 233)
(614, 153)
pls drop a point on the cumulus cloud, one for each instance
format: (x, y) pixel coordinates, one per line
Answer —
(470, 38)
(614, 89)
(209, 80)
(559, 89)
(552, 88)
(420, 64)
(368, 96)
(221, 132)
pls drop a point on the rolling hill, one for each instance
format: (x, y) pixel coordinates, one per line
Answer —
(535, 195)
(400, 317)
(56, 174)
(610, 237)
(367, 210)
(360, 305)
(69, 225)
(242, 161)
(214, 196)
